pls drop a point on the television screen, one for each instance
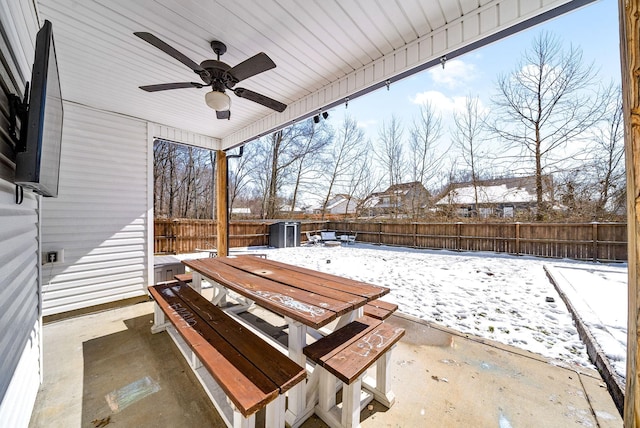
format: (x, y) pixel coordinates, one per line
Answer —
(38, 166)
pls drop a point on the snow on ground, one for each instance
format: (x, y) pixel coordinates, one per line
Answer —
(599, 294)
(496, 296)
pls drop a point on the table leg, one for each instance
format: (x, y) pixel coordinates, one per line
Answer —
(219, 297)
(297, 411)
(196, 282)
(351, 316)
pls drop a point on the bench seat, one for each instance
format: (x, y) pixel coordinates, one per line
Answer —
(250, 373)
(378, 309)
(184, 277)
(345, 355)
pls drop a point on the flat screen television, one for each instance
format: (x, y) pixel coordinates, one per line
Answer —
(38, 164)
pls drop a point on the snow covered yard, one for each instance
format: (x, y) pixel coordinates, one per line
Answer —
(500, 297)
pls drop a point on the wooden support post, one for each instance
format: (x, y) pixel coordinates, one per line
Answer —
(222, 209)
(517, 239)
(630, 66)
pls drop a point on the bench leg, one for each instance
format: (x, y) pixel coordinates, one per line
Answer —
(332, 415)
(275, 410)
(327, 390)
(159, 321)
(239, 421)
(380, 387)
(351, 404)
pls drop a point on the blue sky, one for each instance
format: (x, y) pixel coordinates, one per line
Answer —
(593, 28)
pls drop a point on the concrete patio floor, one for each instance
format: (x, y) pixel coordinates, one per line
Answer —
(109, 365)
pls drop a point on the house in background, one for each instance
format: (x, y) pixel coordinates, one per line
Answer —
(339, 204)
(399, 199)
(502, 197)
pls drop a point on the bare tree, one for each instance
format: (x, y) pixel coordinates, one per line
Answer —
(306, 168)
(389, 152)
(363, 180)
(546, 102)
(239, 170)
(467, 136)
(346, 150)
(426, 159)
(182, 180)
(274, 162)
(608, 157)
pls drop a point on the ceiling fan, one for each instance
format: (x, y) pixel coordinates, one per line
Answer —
(218, 75)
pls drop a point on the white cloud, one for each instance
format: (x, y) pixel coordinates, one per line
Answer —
(363, 124)
(455, 73)
(440, 101)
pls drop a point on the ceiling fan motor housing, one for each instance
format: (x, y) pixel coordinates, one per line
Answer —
(218, 72)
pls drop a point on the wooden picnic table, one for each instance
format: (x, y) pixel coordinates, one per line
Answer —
(304, 297)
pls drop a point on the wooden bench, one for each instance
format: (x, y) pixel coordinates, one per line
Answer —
(184, 277)
(240, 372)
(345, 355)
(327, 236)
(378, 309)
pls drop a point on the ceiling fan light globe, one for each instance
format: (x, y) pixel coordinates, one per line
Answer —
(219, 101)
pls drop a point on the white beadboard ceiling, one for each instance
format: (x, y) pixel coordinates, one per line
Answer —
(325, 50)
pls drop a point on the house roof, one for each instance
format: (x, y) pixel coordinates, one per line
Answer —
(399, 189)
(326, 52)
(496, 191)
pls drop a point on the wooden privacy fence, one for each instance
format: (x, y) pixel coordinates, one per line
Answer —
(186, 235)
(580, 241)
(177, 236)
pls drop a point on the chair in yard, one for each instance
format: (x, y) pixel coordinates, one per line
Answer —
(348, 239)
(312, 239)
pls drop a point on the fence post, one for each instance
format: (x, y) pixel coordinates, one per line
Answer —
(174, 233)
(458, 238)
(415, 235)
(595, 242)
(517, 238)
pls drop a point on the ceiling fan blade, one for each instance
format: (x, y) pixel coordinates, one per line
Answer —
(151, 39)
(223, 114)
(252, 66)
(166, 86)
(260, 99)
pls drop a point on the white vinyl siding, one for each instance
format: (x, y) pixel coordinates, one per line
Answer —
(99, 219)
(20, 317)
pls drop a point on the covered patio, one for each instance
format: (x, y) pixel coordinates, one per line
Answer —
(100, 366)
(326, 53)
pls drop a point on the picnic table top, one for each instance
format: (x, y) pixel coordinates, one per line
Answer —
(310, 297)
